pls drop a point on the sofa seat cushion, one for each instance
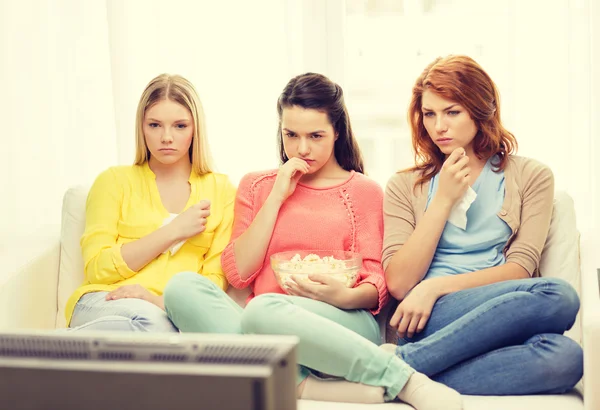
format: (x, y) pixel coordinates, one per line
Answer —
(570, 401)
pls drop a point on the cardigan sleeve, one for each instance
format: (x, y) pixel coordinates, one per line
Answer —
(398, 215)
(537, 201)
(103, 262)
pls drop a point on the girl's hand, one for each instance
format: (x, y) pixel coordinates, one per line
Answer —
(135, 292)
(192, 221)
(454, 177)
(413, 312)
(328, 289)
(287, 178)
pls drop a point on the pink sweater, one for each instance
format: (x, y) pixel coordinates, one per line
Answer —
(347, 217)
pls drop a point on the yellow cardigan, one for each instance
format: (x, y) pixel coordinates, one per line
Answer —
(124, 205)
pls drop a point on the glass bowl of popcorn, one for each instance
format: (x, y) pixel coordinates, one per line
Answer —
(340, 265)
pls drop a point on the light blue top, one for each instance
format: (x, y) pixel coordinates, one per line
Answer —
(481, 245)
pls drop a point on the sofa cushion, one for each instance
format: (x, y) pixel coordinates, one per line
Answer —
(70, 274)
(560, 256)
(570, 401)
(561, 253)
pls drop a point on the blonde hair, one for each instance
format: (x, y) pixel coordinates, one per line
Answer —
(177, 89)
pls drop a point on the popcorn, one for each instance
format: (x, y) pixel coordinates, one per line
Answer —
(312, 263)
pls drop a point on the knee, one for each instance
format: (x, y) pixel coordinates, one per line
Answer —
(185, 280)
(573, 363)
(143, 320)
(112, 323)
(257, 314)
(566, 301)
(184, 285)
(563, 362)
(155, 323)
(147, 317)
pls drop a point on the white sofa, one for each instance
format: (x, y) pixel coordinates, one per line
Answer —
(39, 274)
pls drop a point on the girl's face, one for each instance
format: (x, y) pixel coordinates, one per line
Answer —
(448, 124)
(307, 134)
(168, 131)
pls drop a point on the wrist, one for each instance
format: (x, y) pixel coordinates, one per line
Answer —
(442, 203)
(172, 234)
(158, 301)
(435, 286)
(274, 201)
(346, 298)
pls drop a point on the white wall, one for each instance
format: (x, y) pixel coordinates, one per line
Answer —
(56, 111)
(537, 52)
(235, 56)
(551, 97)
(73, 72)
(594, 109)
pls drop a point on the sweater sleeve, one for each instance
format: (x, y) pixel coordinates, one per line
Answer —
(103, 262)
(244, 212)
(211, 268)
(398, 215)
(536, 213)
(369, 238)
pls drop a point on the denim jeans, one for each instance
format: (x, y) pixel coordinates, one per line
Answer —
(501, 339)
(334, 341)
(94, 313)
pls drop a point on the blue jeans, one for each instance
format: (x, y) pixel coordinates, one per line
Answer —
(501, 339)
(94, 313)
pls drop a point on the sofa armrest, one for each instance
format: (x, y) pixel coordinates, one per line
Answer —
(28, 283)
(590, 318)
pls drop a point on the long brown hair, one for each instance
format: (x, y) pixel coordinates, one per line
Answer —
(315, 91)
(462, 80)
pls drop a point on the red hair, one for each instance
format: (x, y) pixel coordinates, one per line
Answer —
(461, 80)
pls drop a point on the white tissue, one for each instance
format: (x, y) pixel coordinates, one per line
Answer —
(178, 245)
(458, 214)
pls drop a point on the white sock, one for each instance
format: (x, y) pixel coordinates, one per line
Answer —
(425, 394)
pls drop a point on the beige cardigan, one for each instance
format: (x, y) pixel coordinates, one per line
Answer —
(527, 209)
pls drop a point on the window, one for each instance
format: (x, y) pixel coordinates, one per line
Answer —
(389, 43)
(539, 54)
